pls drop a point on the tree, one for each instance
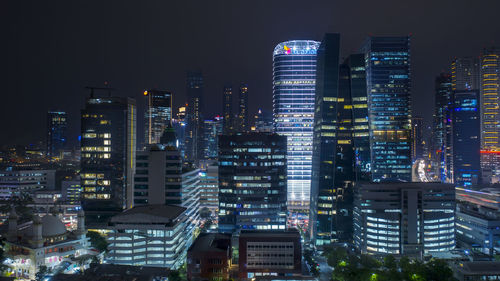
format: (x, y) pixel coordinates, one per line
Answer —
(98, 241)
(438, 270)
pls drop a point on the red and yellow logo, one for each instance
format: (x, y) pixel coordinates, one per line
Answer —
(287, 50)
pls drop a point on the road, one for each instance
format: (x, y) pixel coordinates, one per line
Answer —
(325, 271)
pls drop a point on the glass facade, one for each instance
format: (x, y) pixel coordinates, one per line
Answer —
(341, 152)
(212, 129)
(466, 137)
(388, 77)
(442, 154)
(158, 114)
(294, 78)
(252, 182)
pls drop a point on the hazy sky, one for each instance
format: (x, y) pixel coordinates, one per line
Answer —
(51, 50)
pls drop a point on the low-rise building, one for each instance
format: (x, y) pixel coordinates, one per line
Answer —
(42, 242)
(269, 253)
(478, 219)
(477, 270)
(411, 219)
(151, 235)
(13, 182)
(209, 258)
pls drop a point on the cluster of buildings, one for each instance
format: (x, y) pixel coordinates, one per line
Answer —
(341, 157)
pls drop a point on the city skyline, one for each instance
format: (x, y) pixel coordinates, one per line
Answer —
(60, 61)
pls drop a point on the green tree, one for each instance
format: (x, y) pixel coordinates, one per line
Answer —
(438, 270)
(98, 241)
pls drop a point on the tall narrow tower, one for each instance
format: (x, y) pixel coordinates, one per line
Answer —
(294, 78)
(388, 79)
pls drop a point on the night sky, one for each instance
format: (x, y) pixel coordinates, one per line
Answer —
(51, 50)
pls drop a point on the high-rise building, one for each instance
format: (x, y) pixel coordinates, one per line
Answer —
(417, 138)
(442, 154)
(211, 130)
(194, 116)
(294, 78)
(466, 137)
(108, 146)
(465, 74)
(243, 125)
(179, 124)
(263, 122)
(490, 114)
(227, 109)
(341, 144)
(388, 80)
(409, 219)
(252, 182)
(57, 123)
(15, 182)
(158, 114)
(209, 188)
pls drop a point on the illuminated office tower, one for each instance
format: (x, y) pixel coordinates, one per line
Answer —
(194, 116)
(252, 182)
(388, 80)
(466, 138)
(341, 153)
(442, 153)
(212, 129)
(57, 123)
(243, 109)
(490, 114)
(294, 78)
(417, 139)
(227, 109)
(158, 114)
(108, 146)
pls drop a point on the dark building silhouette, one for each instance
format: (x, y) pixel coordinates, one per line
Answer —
(108, 146)
(57, 123)
(243, 109)
(194, 115)
(227, 109)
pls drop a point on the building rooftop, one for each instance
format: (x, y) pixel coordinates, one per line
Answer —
(111, 272)
(149, 213)
(479, 268)
(269, 233)
(211, 242)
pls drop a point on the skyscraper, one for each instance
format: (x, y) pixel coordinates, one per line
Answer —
(57, 124)
(212, 129)
(108, 147)
(490, 114)
(341, 153)
(442, 153)
(466, 137)
(194, 115)
(158, 114)
(227, 109)
(465, 74)
(388, 85)
(417, 138)
(294, 78)
(243, 109)
(252, 182)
